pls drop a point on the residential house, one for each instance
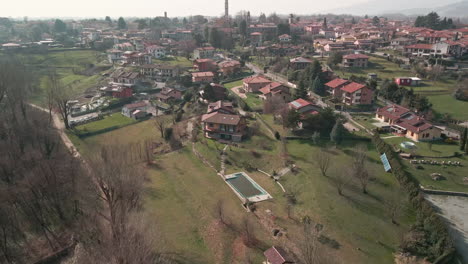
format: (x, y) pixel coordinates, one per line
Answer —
(229, 67)
(117, 91)
(136, 58)
(400, 43)
(203, 53)
(330, 47)
(202, 77)
(440, 49)
(269, 30)
(304, 107)
(364, 44)
(276, 92)
(125, 78)
(127, 46)
(114, 55)
(299, 63)
(406, 123)
(156, 51)
(356, 60)
(408, 81)
(168, 94)
(285, 38)
(221, 124)
(313, 29)
(356, 94)
(254, 83)
(204, 65)
(224, 107)
(334, 87)
(135, 110)
(256, 39)
(277, 255)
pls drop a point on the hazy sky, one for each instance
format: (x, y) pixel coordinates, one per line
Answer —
(152, 8)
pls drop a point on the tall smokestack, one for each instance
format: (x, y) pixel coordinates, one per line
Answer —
(165, 14)
(226, 9)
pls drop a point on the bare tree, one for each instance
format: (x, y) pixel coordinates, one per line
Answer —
(248, 232)
(60, 96)
(323, 159)
(394, 206)
(308, 242)
(161, 124)
(339, 179)
(359, 167)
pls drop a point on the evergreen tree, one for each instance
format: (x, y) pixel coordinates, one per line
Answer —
(376, 21)
(208, 93)
(60, 26)
(318, 87)
(466, 146)
(243, 28)
(463, 139)
(215, 38)
(301, 91)
(108, 20)
(337, 133)
(121, 24)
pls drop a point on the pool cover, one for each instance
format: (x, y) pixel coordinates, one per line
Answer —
(244, 186)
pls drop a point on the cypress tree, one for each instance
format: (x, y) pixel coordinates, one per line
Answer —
(337, 132)
(463, 139)
(318, 87)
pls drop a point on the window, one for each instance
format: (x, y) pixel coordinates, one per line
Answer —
(210, 124)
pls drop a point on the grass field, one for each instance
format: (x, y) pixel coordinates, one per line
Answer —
(454, 175)
(447, 104)
(116, 119)
(68, 65)
(231, 85)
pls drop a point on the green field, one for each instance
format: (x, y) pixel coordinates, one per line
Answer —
(231, 85)
(70, 67)
(454, 174)
(113, 120)
(439, 92)
(447, 104)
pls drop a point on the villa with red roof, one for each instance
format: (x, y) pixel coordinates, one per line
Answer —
(350, 93)
(304, 107)
(334, 87)
(204, 65)
(202, 77)
(356, 94)
(404, 122)
(299, 63)
(254, 83)
(277, 91)
(221, 123)
(356, 60)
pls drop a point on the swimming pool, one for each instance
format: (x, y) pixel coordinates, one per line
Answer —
(246, 187)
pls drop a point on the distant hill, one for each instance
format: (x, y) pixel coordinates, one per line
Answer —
(453, 8)
(459, 9)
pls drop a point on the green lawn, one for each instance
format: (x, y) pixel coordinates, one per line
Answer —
(454, 175)
(114, 120)
(69, 66)
(231, 85)
(253, 101)
(447, 104)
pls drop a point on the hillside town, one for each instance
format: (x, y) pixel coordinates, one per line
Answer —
(238, 138)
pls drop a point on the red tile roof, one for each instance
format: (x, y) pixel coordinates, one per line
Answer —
(352, 87)
(299, 103)
(218, 118)
(276, 255)
(271, 87)
(336, 82)
(202, 74)
(392, 111)
(256, 79)
(419, 46)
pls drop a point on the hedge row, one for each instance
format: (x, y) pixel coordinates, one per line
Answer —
(431, 239)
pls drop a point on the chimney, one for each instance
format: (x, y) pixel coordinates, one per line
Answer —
(165, 14)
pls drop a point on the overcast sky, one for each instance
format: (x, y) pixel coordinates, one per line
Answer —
(152, 8)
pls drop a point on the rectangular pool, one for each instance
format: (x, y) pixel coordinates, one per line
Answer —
(246, 186)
